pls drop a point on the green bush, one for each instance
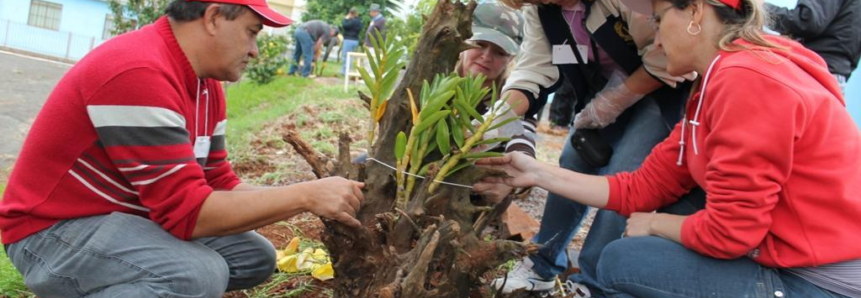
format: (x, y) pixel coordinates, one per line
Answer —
(266, 66)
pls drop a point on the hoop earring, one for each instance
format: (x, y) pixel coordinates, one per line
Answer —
(691, 26)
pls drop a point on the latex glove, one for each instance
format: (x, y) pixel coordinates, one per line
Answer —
(607, 104)
(508, 130)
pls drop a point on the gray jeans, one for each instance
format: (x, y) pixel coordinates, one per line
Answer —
(122, 255)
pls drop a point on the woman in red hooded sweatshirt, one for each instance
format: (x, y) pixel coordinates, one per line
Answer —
(769, 139)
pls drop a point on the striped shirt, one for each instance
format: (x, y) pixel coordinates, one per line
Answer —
(843, 278)
(117, 135)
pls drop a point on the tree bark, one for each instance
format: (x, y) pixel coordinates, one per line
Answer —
(434, 247)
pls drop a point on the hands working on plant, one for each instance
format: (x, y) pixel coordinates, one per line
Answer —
(594, 191)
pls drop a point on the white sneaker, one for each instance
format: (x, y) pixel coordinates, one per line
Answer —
(522, 277)
(579, 290)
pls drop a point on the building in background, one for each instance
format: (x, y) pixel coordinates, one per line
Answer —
(61, 29)
(67, 30)
(293, 9)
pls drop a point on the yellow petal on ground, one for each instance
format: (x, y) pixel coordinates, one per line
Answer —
(325, 272)
(279, 255)
(321, 255)
(292, 247)
(304, 259)
(288, 264)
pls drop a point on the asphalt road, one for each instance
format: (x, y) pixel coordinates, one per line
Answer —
(25, 84)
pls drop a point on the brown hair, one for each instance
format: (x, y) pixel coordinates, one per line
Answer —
(745, 23)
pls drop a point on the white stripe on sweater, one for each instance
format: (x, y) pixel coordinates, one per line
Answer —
(107, 197)
(150, 181)
(134, 116)
(120, 186)
(137, 168)
(220, 128)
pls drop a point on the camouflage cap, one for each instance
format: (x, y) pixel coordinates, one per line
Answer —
(499, 24)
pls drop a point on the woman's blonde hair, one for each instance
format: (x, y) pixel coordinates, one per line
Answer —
(745, 23)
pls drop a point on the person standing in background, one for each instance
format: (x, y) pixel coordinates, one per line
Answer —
(831, 28)
(351, 26)
(378, 23)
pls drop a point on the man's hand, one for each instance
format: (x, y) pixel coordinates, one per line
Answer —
(522, 168)
(335, 198)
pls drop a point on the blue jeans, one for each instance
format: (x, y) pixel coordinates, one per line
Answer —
(647, 267)
(304, 49)
(632, 137)
(349, 46)
(123, 255)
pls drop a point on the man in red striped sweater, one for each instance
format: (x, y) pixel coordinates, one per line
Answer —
(123, 188)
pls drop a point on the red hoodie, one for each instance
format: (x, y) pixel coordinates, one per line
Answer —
(116, 135)
(777, 153)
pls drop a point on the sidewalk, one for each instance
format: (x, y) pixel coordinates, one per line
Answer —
(25, 84)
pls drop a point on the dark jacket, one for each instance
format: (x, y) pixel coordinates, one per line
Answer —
(352, 28)
(376, 25)
(831, 28)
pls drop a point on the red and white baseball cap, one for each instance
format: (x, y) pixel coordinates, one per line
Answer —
(270, 17)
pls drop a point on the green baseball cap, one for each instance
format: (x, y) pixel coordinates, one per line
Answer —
(499, 24)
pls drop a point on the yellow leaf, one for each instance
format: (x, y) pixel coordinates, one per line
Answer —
(413, 108)
(292, 247)
(321, 255)
(381, 110)
(288, 264)
(302, 259)
(325, 272)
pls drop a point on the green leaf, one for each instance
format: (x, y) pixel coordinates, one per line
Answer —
(490, 141)
(400, 145)
(503, 123)
(459, 167)
(435, 104)
(456, 132)
(443, 138)
(368, 81)
(470, 111)
(424, 170)
(477, 155)
(464, 122)
(373, 62)
(425, 94)
(430, 120)
(387, 87)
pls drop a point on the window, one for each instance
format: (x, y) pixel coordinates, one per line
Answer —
(109, 27)
(45, 14)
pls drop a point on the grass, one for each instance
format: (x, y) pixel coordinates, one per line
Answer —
(251, 106)
(11, 282)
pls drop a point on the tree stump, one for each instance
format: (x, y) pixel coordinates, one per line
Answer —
(434, 247)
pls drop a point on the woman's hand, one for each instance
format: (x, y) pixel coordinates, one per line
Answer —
(640, 224)
(663, 225)
(522, 169)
